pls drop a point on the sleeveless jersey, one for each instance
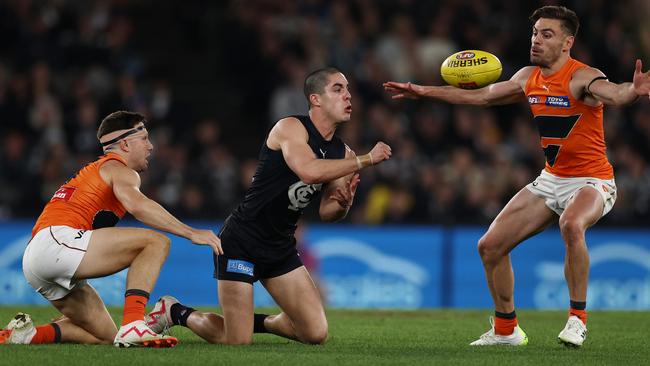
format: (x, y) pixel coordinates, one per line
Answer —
(571, 131)
(276, 198)
(84, 202)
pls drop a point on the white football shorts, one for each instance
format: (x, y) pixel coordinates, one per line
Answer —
(557, 191)
(52, 258)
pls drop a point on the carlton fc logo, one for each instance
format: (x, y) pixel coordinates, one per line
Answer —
(300, 194)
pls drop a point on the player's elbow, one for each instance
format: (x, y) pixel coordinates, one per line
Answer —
(135, 211)
(137, 208)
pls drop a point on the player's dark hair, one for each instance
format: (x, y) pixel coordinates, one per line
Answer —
(569, 19)
(316, 81)
(120, 120)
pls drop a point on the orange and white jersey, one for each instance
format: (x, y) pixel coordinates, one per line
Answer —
(571, 131)
(85, 202)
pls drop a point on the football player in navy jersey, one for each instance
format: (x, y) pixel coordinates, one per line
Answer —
(301, 158)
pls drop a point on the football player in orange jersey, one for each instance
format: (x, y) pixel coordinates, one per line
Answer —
(73, 240)
(576, 186)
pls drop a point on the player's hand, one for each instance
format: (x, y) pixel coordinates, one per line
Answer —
(380, 152)
(345, 195)
(641, 80)
(404, 90)
(206, 237)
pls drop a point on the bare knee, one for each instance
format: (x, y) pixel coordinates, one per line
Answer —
(159, 241)
(572, 230)
(489, 249)
(316, 334)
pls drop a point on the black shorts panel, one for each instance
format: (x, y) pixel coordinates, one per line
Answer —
(249, 261)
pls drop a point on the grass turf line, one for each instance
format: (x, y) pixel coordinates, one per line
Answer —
(371, 338)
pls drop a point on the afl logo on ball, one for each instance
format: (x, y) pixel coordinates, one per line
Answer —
(465, 55)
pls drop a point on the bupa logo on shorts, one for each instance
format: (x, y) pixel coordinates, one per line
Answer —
(238, 266)
(558, 101)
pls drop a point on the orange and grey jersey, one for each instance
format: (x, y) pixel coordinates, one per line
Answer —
(84, 202)
(571, 131)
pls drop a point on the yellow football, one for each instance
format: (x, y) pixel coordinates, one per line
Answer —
(471, 69)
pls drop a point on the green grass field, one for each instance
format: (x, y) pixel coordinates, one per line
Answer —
(372, 338)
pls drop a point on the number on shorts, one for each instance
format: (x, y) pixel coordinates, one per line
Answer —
(555, 127)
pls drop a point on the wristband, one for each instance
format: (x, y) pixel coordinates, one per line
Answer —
(364, 161)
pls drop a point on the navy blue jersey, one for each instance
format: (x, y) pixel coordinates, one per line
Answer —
(276, 198)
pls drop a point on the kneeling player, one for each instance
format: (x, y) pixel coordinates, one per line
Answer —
(300, 157)
(73, 241)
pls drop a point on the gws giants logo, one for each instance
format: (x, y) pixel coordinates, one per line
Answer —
(300, 194)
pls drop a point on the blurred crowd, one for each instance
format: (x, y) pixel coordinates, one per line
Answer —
(212, 77)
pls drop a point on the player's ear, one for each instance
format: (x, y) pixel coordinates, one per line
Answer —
(314, 99)
(124, 145)
(568, 42)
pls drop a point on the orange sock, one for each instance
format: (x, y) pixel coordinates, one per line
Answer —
(48, 333)
(134, 308)
(582, 314)
(504, 326)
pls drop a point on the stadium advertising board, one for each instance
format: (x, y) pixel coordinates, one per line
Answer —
(390, 267)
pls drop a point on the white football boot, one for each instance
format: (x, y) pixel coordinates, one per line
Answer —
(20, 330)
(160, 318)
(489, 338)
(574, 332)
(138, 334)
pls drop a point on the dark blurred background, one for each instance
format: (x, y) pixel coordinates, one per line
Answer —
(212, 77)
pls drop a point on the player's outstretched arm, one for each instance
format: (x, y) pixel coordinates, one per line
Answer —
(338, 195)
(126, 187)
(290, 136)
(617, 94)
(504, 92)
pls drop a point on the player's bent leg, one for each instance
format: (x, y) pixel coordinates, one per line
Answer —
(584, 210)
(236, 324)
(21, 330)
(168, 312)
(113, 249)
(144, 252)
(85, 320)
(72, 333)
(236, 300)
(85, 310)
(303, 316)
(212, 328)
(524, 216)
